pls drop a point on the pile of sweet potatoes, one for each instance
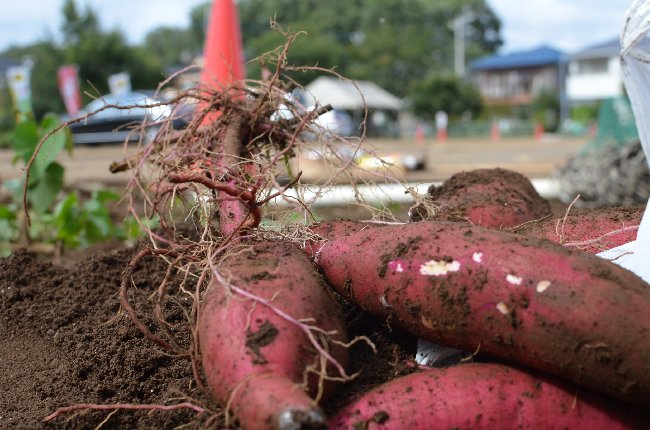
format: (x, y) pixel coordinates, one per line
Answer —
(560, 335)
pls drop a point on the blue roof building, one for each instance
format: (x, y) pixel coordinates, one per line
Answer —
(534, 58)
(517, 78)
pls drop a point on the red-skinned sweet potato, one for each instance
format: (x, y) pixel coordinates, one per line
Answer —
(495, 198)
(254, 359)
(590, 230)
(527, 300)
(484, 396)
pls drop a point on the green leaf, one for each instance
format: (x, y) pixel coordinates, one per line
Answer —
(8, 228)
(24, 140)
(67, 220)
(131, 227)
(99, 225)
(99, 228)
(6, 213)
(51, 148)
(104, 196)
(43, 193)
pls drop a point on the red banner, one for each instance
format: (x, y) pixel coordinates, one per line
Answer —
(69, 87)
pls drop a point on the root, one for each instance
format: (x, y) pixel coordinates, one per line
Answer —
(600, 238)
(124, 299)
(122, 406)
(559, 228)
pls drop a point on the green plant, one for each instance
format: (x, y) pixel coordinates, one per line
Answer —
(56, 217)
(446, 93)
(585, 113)
(546, 110)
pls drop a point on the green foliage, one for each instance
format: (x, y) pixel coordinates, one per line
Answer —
(446, 93)
(546, 110)
(46, 175)
(404, 47)
(169, 44)
(198, 24)
(79, 224)
(585, 113)
(395, 43)
(97, 53)
(391, 42)
(56, 217)
(76, 24)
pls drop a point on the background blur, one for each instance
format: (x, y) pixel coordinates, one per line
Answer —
(484, 63)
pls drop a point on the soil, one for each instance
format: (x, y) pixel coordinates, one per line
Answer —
(63, 341)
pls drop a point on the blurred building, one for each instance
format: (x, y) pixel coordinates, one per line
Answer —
(350, 99)
(517, 78)
(594, 73)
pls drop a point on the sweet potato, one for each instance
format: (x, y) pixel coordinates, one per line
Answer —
(527, 300)
(495, 198)
(254, 357)
(591, 230)
(483, 396)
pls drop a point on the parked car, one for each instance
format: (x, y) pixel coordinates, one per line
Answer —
(119, 123)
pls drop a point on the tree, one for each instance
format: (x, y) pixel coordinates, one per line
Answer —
(169, 45)
(446, 93)
(77, 24)
(172, 46)
(394, 43)
(100, 53)
(546, 110)
(198, 23)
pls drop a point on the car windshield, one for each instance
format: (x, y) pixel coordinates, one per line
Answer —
(140, 107)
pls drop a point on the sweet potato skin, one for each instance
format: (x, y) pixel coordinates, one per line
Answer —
(494, 198)
(561, 311)
(253, 359)
(584, 226)
(483, 396)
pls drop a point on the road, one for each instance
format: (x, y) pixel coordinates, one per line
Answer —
(88, 166)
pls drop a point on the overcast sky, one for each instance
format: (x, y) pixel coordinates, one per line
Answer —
(566, 24)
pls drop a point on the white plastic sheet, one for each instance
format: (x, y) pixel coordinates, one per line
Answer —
(635, 62)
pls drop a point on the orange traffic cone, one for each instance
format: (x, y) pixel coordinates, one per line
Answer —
(539, 131)
(224, 61)
(495, 132)
(224, 66)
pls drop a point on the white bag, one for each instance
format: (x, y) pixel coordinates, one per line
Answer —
(635, 63)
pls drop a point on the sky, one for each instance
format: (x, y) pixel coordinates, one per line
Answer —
(569, 25)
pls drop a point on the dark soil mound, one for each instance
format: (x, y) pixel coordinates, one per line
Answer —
(486, 197)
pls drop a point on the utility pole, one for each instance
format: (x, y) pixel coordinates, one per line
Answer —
(458, 25)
